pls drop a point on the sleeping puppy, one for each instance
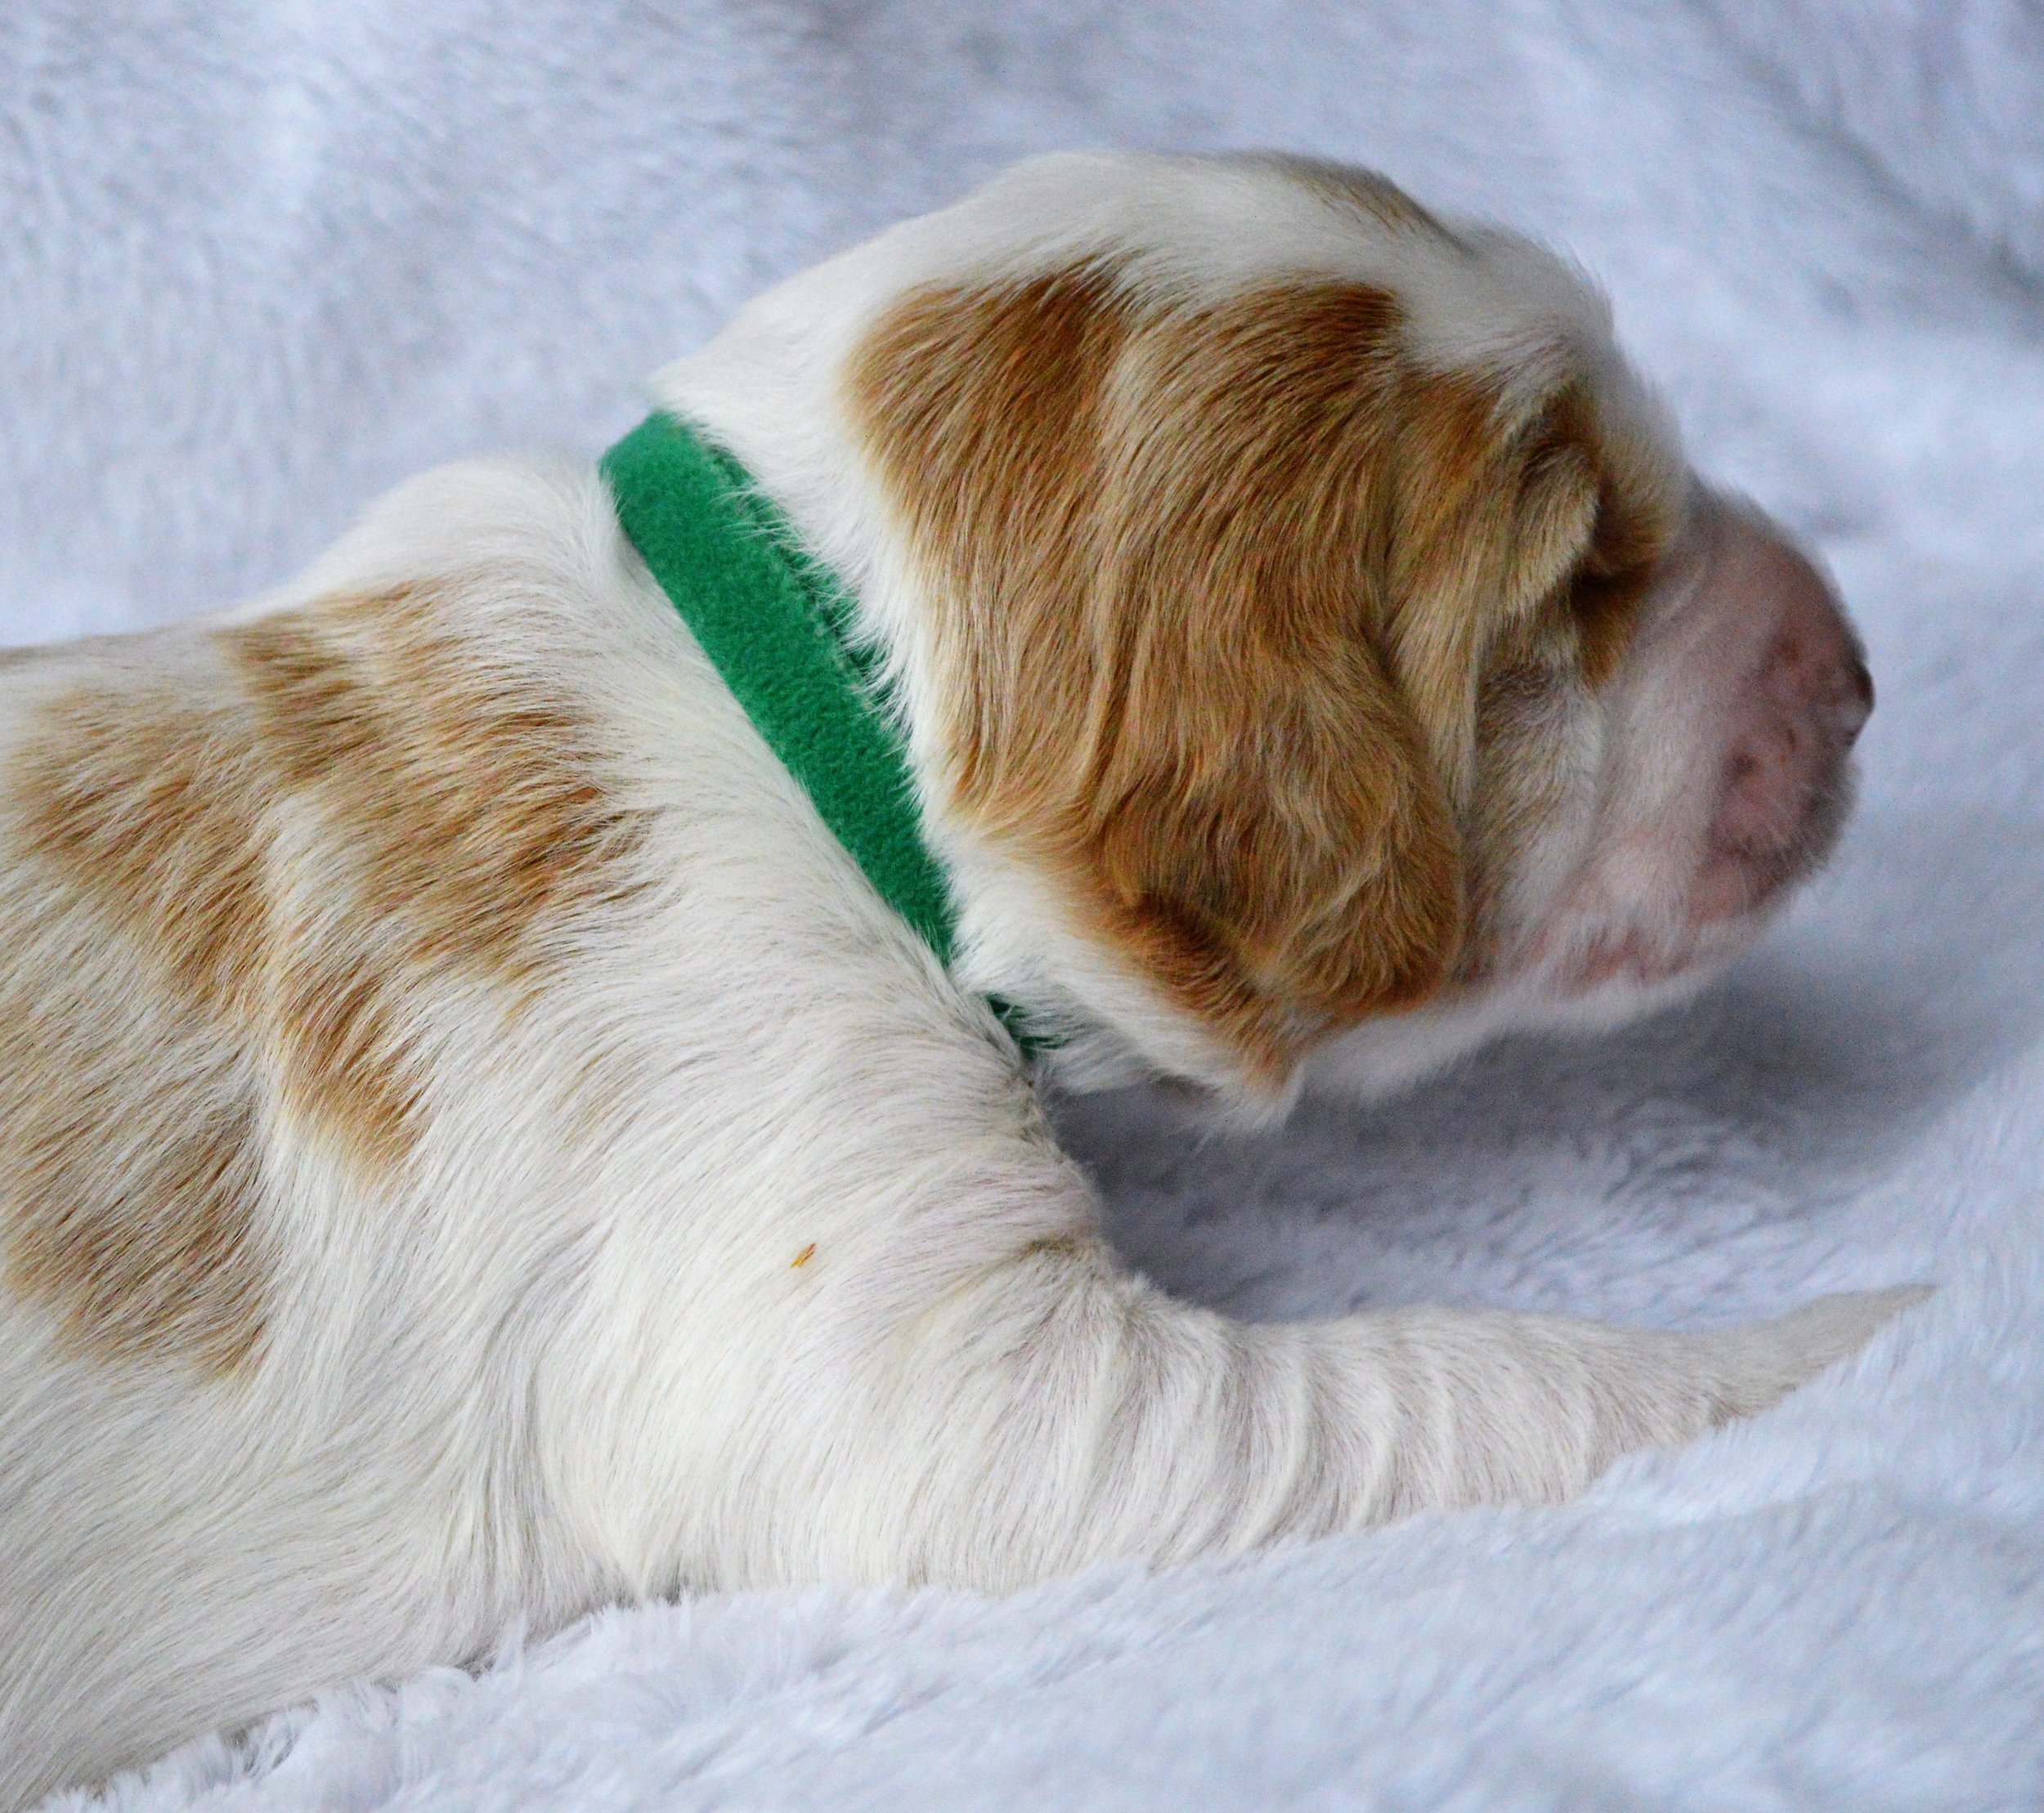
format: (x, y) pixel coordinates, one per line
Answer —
(481, 1137)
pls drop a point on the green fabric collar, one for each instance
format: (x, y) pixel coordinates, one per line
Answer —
(776, 624)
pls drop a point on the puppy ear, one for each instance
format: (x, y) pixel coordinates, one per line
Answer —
(1159, 548)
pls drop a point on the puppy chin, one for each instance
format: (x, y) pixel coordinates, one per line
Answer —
(1583, 978)
(1382, 1057)
(1618, 978)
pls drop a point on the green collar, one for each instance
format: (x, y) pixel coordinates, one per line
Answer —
(776, 624)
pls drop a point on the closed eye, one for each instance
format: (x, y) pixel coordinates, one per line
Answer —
(1604, 591)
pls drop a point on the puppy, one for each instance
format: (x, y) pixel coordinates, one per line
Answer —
(481, 1137)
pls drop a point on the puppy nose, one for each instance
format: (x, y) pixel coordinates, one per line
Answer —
(1859, 704)
(1792, 723)
(1814, 669)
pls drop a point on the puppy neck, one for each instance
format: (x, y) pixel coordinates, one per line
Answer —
(769, 390)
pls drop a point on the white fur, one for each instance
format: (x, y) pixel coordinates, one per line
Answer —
(580, 1355)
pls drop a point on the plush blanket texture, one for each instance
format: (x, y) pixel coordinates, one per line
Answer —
(260, 258)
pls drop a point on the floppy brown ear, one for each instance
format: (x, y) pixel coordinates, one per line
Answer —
(1156, 544)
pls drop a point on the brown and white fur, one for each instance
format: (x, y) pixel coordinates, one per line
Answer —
(473, 1148)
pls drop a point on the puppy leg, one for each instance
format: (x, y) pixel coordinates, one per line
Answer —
(1065, 1412)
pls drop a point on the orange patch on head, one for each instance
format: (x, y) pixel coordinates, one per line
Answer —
(1214, 585)
(1374, 198)
(238, 896)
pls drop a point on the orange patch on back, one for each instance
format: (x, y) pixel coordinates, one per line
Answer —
(149, 806)
(474, 798)
(130, 1157)
(239, 895)
(130, 1152)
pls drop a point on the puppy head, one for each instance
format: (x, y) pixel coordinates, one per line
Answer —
(1313, 640)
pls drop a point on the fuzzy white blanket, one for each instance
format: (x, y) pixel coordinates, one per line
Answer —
(259, 258)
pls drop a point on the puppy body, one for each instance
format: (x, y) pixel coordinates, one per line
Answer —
(473, 1148)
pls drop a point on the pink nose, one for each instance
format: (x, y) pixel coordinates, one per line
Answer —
(1794, 721)
(1814, 673)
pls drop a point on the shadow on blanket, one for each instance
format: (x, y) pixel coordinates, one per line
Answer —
(1696, 1169)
